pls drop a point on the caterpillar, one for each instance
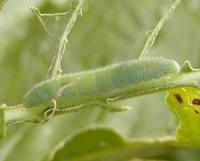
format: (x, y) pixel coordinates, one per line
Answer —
(98, 86)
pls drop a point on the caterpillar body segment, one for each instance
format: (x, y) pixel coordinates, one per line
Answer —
(100, 84)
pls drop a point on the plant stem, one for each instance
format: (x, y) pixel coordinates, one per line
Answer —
(19, 113)
(151, 38)
(55, 67)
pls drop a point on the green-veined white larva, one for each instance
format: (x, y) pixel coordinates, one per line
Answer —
(98, 85)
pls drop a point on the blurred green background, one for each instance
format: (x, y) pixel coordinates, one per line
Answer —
(108, 32)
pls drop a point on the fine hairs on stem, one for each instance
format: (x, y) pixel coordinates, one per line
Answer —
(151, 38)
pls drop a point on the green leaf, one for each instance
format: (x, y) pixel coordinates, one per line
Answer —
(185, 104)
(89, 142)
(105, 144)
(2, 2)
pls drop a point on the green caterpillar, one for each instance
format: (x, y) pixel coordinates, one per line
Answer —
(98, 86)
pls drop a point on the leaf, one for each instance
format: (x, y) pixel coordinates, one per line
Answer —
(89, 142)
(185, 104)
(2, 3)
(105, 144)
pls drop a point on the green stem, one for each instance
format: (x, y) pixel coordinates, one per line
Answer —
(154, 33)
(22, 114)
(17, 114)
(55, 68)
